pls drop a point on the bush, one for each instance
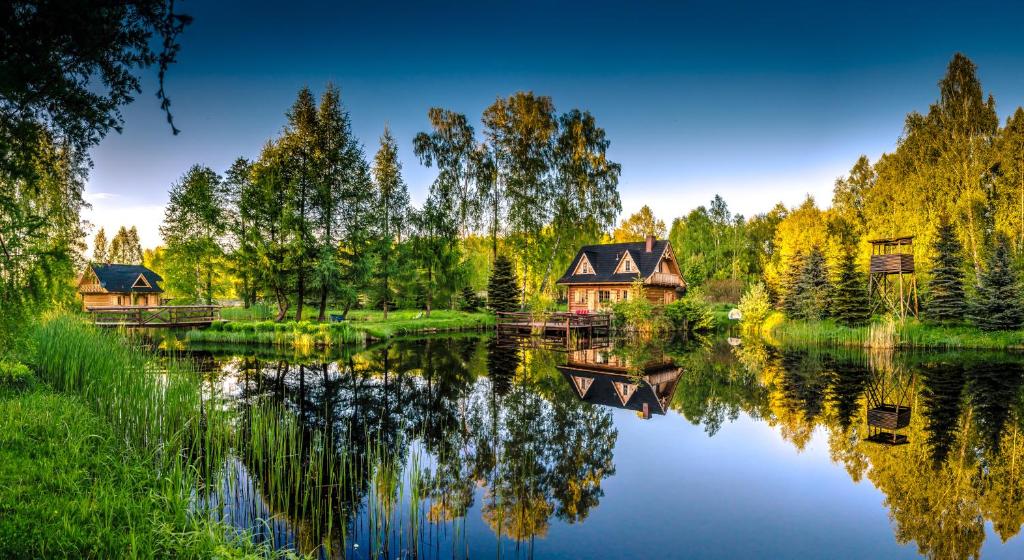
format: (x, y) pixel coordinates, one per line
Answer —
(724, 291)
(14, 374)
(755, 305)
(692, 312)
(637, 313)
(471, 301)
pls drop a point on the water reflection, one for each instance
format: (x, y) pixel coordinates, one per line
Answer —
(469, 445)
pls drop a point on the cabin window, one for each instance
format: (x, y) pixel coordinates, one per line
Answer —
(625, 295)
(585, 268)
(579, 296)
(627, 266)
(604, 296)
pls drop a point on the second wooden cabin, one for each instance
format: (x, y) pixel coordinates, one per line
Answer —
(601, 275)
(109, 285)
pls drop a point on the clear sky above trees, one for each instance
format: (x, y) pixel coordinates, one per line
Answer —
(757, 103)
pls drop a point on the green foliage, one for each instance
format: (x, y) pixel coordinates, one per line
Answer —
(755, 305)
(714, 244)
(471, 301)
(692, 312)
(997, 304)
(807, 290)
(125, 248)
(850, 304)
(947, 302)
(638, 226)
(13, 373)
(503, 287)
(193, 228)
(392, 208)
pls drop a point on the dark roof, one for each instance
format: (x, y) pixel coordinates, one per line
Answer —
(605, 258)
(119, 278)
(602, 389)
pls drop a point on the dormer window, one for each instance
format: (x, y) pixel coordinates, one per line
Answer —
(626, 264)
(141, 282)
(584, 266)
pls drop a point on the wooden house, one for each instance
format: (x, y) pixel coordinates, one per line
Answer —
(601, 275)
(108, 285)
(601, 377)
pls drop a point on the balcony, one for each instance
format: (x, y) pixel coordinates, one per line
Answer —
(664, 279)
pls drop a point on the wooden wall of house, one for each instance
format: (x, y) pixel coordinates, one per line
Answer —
(106, 300)
(587, 297)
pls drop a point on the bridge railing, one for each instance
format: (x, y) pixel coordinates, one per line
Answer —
(154, 316)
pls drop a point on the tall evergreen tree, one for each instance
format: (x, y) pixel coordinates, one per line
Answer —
(947, 302)
(100, 247)
(240, 194)
(502, 288)
(270, 211)
(788, 297)
(998, 301)
(811, 292)
(850, 304)
(125, 248)
(391, 199)
(300, 139)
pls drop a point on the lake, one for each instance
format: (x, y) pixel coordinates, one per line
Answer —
(473, 446)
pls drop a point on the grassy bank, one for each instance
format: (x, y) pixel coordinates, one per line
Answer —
(360, 326)
(888, 334)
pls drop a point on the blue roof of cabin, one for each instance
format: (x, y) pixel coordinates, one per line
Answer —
(119, 278)
(605, 258)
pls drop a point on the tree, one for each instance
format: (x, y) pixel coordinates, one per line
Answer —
(470, 300)
(947, 302)
(997, 305)
(273, 180)
(125, 248)
(638, 226)
(850, 304)
(812, 288)
(755, 305)
(100, 248)
(300, 139)
(339, 192)
(450, 146)
(192, 231)
(502, 290)
(392, 206)
(240, 198)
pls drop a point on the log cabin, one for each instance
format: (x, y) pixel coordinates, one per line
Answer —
(601, 275)
(105, 285)
(601, 377)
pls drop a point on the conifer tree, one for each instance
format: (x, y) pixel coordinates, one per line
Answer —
(947, 302)
(502, 289)
(100, 250)
(788, 288)
(810, 294)
(392, 207)
(470, 300)
(850, 304)
(998, 303)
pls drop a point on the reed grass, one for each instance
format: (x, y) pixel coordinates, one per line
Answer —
(889, 333)
(302, 336)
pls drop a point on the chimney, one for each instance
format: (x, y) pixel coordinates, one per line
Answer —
(650, 243)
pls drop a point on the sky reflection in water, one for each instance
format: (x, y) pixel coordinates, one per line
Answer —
(685, 450)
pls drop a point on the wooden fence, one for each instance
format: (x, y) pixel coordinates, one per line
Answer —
(158, 316)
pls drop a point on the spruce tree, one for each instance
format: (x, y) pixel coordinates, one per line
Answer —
(502, 288)
(788, 295)
(100, 249)
(850, 304)
(811, 292)
(947, 302)
(997, 305)
(470, 300)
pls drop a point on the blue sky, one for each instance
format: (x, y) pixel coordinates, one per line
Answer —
(761, 102)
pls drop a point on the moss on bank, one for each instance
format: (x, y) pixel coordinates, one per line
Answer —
(886, 333)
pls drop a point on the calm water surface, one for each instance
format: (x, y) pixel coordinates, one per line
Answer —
(476, 447)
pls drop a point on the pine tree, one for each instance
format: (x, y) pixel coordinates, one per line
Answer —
(502, 289)
(947, 302)
(788, 296)
(998, 303)
(392, 208)
(470, 300)
(850, 304)
(100, 250)
(810, 295)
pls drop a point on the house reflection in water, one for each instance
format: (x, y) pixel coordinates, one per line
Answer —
(601, 377)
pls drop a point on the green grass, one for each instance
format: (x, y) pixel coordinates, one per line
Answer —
(71, 488)
(910, 334)
(360, 325)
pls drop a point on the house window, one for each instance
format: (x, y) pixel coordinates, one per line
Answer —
(585, 269)
(625, 295)
(604, 296)
(579, 296)
(628, 266)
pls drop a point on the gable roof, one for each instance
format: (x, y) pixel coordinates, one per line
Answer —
(605, 259)
(120, 278)
(623, 391)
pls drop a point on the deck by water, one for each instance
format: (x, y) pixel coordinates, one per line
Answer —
(554, 324)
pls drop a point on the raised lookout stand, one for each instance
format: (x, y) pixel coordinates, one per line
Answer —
(892, 282)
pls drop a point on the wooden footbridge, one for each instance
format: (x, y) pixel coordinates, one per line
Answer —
(157, 316)
(554, 324)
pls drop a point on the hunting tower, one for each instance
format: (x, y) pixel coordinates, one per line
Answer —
(892, 283)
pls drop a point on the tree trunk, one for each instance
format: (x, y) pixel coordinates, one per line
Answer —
(301, 289)
(430, 289)
(344, 312)
(323, 304)
(551, 261)
(282, 305)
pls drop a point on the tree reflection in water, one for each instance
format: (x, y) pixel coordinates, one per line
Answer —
(524, 436)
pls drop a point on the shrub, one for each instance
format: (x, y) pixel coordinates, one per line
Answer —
(13, 374)
(692, 312)
(637, 313)
(724, 291)
(471, 301)
(755, 305)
